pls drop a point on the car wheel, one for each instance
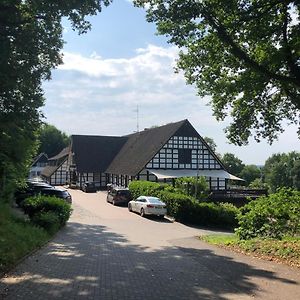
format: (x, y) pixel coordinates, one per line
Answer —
(129, 207)
(114, 202)
(142, 213)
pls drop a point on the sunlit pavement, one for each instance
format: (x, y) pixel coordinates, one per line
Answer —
(105, 252)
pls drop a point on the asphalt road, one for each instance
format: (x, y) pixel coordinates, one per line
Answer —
(105, 252)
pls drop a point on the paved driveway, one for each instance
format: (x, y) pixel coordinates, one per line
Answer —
(105, 252)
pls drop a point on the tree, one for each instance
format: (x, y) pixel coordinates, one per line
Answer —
(258, 184)
(30, 45)
(249, 173)
(244, 53)
(233, 164)
(196, 187)
(211, 143)
(282, 170)
(51, 140)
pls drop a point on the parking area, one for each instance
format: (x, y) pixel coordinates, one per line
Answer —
(150, 232)
(106, 252)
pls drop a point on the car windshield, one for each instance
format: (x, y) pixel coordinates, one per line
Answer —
(153, 200)
(60, 192)
(123, 193)
(48, 191)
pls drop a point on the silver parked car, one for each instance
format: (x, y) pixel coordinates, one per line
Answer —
(145, 205)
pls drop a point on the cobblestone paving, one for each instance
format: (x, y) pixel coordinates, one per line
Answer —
(89, 260)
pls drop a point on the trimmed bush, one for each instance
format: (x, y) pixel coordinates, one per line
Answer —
(179, 206)
(185, 208)
(146, 188)
(222, 215)
(274, 216)
(42, 204)
(47, 220)
(228, 214)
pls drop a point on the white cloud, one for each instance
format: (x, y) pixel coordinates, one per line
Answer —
(147, 78)
(151, 60)
(96, 95)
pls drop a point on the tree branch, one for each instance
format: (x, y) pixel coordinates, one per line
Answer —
(294, 69)
(240, 53)
(256, 12)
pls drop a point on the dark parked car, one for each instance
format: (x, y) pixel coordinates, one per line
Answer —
(63, 194)
(89, 187)
(118, 195)
(32, 188)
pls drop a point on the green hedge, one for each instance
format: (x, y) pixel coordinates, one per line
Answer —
(195, 187)
(185, 208)
(179, 206)
(47, 212)
(138, 188)
(47, 220)
(274, 216)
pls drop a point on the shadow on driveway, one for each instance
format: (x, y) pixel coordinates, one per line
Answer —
(91, 262)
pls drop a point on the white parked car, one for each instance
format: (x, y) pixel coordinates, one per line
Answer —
(145, 205)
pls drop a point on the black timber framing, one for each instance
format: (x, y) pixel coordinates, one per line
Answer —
(136, 154)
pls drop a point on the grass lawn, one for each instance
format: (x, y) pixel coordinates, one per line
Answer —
(286, 250)
(17, 238)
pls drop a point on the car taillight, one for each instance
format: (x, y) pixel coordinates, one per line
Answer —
(150, 206)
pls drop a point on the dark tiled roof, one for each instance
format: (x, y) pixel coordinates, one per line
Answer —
(141, 147)
(42, 157)
(49, 170)
(95, 153)
(64, 152)
(126, 155)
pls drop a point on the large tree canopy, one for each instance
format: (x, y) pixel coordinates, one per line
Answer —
(51, 140)
(233, 164)
(283, 170)
(211, 143)
(250, 173)
(30, 45)
(244, 53)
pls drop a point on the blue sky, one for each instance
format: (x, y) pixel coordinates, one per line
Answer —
(122, 63)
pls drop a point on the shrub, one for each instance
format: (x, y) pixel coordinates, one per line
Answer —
(42, 204)
(228, 214)
(259, 184)
(18, 237)
(146, 188)
(185, 208)
(221, 215)
(273, 216)
(47, 220)
(195, 187)
(179, 206)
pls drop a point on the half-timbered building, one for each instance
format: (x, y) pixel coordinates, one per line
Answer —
(38, 165)
(157, 154)
(90, 157)
(57, 170)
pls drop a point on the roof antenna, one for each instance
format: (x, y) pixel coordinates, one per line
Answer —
(137, 119)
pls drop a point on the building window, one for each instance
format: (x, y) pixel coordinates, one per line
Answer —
(185, 156)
